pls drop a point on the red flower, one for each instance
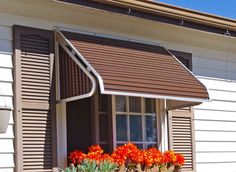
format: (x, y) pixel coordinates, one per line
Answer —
(125, 153)
(179, 159)
(169, 157)
(157, 156)
(76, 157)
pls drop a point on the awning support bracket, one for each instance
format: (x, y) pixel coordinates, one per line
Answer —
(86, 69)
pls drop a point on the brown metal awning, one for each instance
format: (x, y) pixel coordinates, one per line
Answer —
(136, 69)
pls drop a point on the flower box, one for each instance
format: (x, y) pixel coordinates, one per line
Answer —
(126, 158)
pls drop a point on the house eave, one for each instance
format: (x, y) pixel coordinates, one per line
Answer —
(161, 12)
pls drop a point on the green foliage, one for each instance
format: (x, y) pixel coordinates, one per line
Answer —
(71, 168)
(88, 166)
(107, 166)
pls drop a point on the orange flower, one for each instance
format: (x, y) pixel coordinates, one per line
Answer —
(96, 149)
(157, 156)
(126, 152)
(169, 157)
(129, 153)
(179, 159)
(147, 158)
(76, 157)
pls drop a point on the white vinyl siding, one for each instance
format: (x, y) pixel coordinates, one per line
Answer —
(6, 95)
(215, 127)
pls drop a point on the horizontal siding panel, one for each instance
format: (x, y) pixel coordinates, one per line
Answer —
(7, 101)
(215, 157)
(8, 135)
(6, 146)
(222, 95)
(215, 125)
(207, 136)
(6, 61)
(214, 115)
(6, 160)
(6, 75)
(5, 46)
(209, 63)
(215, 146)
(217, 84)
(199, 71)
(231, 75)
(5, 32)
(6, 89)
(216, 167)
(6, 169)
(218, 105)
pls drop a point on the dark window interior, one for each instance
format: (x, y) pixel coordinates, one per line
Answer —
(184, 57)
(79, 125)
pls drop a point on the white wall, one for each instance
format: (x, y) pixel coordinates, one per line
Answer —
(6, 95)
(215, 121)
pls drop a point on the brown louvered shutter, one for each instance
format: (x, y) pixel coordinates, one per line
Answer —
(35, 99)
(181, 136)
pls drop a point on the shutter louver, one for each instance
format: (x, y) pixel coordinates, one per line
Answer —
(181, 136)
(34, 54)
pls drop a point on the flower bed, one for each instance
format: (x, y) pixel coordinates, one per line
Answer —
(126, 158)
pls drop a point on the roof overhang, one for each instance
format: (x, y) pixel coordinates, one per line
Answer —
(164, 13)
(128, 68)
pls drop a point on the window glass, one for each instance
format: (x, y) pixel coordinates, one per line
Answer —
(136, 122)
(121, 104)
(146, 146)
(121, 128)
(135, 104)
(150, 106)
(135, 127)
(151, 133)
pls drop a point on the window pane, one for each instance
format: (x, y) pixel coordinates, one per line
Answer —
(135, 127)
(103, 127)
(150, 146)
(140, 146)
(151, 132)
(134, 104)
(149, 105)
(103, 103)
(121, 127)
(121, 104)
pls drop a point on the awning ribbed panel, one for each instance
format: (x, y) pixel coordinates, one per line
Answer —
(137, 69)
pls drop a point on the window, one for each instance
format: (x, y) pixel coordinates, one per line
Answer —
(135, 121)
(184, 58)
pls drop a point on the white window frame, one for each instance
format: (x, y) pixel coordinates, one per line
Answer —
(158, 122)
